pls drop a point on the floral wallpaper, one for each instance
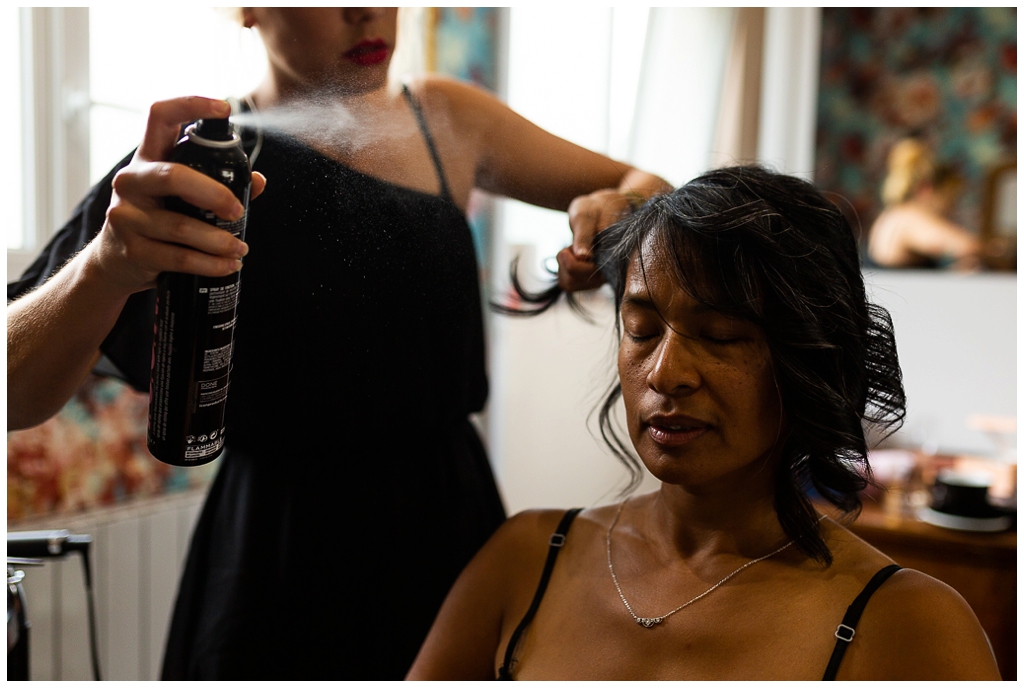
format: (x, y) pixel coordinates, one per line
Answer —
(948, 75)
(464, 42)
(91, 454)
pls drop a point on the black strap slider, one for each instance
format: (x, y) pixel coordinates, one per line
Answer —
(557, 540)
(844, 632)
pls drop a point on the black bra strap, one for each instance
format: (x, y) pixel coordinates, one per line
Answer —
(847, 629)
(556, 542)
(415, 105)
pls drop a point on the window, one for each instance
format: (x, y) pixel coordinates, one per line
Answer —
(52, 88)
(638, 84)
(11, 186)
(86, 78)
(582, 87)
(139, 54)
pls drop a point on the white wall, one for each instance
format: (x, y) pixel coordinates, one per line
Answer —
(957, 339)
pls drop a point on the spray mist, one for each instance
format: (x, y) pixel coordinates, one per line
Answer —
(195, 316)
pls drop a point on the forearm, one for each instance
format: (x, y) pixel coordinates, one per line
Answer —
(53, 339)
(942, 240)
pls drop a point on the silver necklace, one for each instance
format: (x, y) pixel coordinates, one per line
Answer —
(651, 622)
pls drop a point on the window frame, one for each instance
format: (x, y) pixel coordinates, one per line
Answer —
(55, 124)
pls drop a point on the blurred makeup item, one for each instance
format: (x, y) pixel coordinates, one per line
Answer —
(1002, 430)
(960, 502)
(1001, 475)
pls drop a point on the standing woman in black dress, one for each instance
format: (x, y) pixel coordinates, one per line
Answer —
(353, 488)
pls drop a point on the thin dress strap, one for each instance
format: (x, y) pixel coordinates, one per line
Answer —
(415, 105)
(847, 629)
(555, 545)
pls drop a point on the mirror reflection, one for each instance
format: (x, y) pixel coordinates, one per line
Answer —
(917, 130)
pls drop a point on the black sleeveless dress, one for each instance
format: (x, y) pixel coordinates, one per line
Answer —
(353, 489)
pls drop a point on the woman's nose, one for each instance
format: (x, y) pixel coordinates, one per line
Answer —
(361, 15)
(674, 368)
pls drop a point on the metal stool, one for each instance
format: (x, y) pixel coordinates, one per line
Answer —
(29, 548)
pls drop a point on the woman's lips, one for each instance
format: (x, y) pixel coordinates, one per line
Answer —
(368, 52)
(675, 432)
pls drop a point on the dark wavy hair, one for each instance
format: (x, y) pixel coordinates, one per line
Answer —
(771, 249)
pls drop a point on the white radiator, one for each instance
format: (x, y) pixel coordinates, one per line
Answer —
(137, 556)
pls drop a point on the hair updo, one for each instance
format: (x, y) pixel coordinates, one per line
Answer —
(911, 165)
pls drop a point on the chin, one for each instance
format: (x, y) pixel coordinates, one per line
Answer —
(349, 81)
(677, 469)
(696, 470)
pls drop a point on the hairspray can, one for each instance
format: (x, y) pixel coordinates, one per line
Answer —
(195, 316)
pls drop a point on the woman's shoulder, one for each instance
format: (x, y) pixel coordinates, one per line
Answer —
(526, 536)
(908, 212)
(919, 628)
(914, 626)
(438, 86)
(530, 527)
(514, 556)
(466, 105)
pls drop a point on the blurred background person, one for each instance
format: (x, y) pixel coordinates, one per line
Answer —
(913, 230)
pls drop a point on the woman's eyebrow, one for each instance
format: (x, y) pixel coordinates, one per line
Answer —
(642, 300)
(639, 301)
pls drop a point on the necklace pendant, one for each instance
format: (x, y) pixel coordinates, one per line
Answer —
(648, 623)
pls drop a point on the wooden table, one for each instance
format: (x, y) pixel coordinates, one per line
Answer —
(982, 567)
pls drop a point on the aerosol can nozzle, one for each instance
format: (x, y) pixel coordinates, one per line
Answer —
(214, 129)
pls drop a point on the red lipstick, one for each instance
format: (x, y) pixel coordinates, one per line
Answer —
(368, 52)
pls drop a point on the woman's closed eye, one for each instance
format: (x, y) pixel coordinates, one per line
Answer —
(640, 326)
(723, 338)
(721, 330)
(638, 336)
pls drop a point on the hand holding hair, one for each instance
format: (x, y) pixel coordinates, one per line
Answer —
(588, 215)
(593, 213)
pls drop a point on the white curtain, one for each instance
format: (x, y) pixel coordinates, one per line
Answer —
(679, 89)
(642, 85)
(739, 106)
(722, 86)
(672, 90)
(789, 89)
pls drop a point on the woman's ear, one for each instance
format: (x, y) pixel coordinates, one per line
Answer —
(248, 18)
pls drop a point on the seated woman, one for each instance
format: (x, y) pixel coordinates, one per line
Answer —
(913, 229)
(749, 361)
